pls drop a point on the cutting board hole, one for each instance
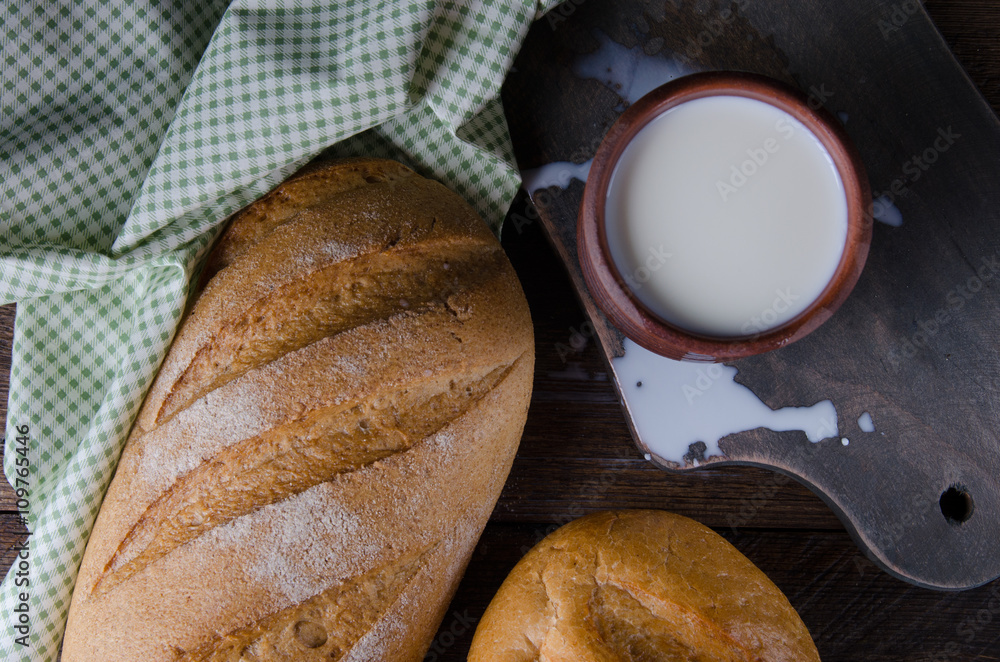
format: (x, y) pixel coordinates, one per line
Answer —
(957, 505)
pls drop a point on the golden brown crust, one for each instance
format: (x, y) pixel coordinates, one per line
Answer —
(325, 440)
(310, 187)
(632, 586)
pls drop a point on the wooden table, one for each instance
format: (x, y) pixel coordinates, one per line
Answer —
(577, 457)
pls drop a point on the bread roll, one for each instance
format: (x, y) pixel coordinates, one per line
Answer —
(325, 440)
(639, 586)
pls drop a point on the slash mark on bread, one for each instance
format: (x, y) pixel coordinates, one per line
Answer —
(637, 625)
(324, 627)
(336, 298)
(291, 458)
(308, 189)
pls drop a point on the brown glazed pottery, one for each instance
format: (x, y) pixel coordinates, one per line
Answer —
(609, 289)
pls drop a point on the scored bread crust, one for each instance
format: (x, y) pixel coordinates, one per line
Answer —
(326, 438)
(632, 586)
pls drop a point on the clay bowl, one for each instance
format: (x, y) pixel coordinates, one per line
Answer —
(610, 290)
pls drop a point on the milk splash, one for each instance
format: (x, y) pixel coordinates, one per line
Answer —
(557, 174)
(866, 423)
(674, 404)
(628, 72)
(884, 211)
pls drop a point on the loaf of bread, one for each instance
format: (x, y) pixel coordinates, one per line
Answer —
(325, 440)
(638, 586)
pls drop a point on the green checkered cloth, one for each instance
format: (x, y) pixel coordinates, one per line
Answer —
(130, 130)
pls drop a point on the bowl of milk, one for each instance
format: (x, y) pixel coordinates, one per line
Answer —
(723, 217)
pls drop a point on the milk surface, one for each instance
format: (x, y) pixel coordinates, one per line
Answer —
(726, 216)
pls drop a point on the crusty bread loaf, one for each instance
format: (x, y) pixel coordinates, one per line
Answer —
(639, 586)
(326, 439)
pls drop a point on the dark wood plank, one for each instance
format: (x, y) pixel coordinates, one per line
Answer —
(6, 342)
(970, 28)
(7, 499)
(12, 532)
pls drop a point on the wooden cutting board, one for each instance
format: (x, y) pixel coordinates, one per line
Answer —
(915, 347)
